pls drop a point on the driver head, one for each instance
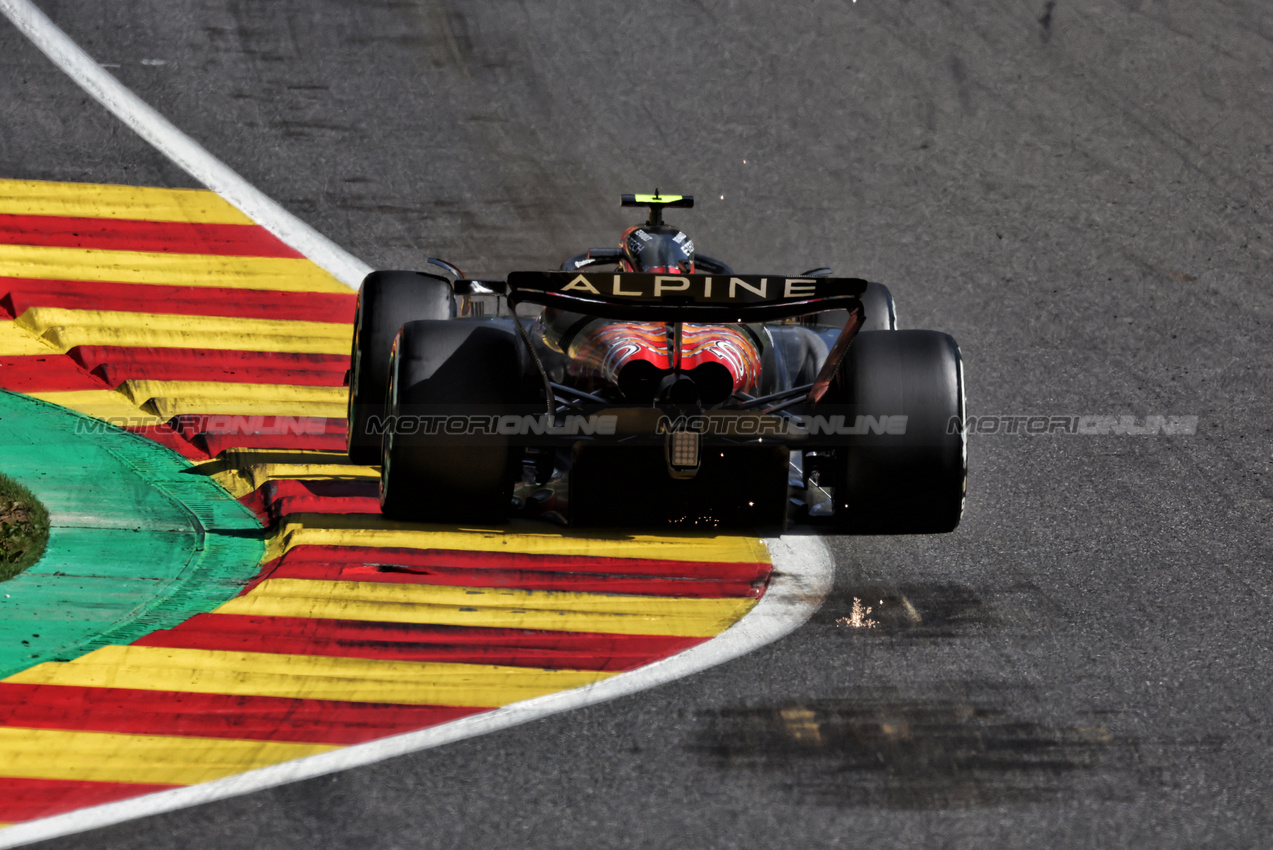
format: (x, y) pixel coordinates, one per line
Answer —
(657, 248)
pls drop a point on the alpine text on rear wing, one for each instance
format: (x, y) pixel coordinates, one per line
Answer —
(640, 296)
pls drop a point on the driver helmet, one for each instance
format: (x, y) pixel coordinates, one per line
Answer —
(658, 248)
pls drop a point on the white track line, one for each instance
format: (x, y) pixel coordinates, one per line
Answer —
(803, 568)
(180, 148)
(802, 576)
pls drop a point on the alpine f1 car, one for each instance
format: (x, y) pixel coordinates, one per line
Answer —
(648, 385)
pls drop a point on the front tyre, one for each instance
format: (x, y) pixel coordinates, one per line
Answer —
(386, 300)
(877, 304)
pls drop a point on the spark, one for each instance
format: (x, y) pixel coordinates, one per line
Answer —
(857, 618)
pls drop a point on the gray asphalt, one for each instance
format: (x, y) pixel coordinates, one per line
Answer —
(1078, 191)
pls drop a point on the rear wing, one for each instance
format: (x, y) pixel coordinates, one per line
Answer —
(703, 298)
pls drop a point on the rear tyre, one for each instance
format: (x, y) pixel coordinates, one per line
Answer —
(385, 300)
(911, 481)
(431, 473)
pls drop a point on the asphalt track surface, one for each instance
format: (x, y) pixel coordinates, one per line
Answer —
(1077, 191)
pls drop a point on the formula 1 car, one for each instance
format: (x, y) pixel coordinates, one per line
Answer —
(651, 385)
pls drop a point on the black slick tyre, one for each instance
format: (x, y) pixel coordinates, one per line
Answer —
(386, 299)
(452, 372)
(877, 304)
(900, 476)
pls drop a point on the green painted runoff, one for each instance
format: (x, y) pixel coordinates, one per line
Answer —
(137, 541)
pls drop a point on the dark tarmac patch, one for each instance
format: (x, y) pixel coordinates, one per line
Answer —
(1045, 20)
(886, 750)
